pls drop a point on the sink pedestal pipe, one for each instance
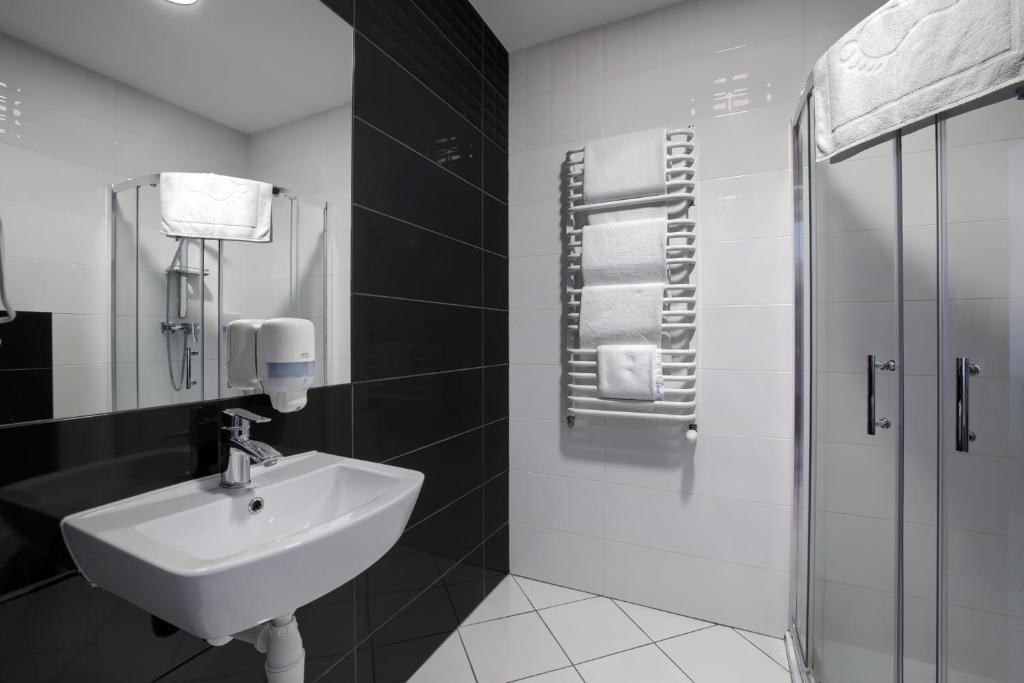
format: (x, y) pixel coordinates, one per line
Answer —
(280, 640)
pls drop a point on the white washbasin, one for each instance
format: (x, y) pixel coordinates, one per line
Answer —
(194, 555)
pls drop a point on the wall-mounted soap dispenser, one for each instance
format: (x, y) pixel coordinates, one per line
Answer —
(286, 361)
(277, 356)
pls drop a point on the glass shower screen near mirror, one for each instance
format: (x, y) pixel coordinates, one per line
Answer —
(96, 108)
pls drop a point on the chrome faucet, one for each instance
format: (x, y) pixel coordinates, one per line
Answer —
(237, 450)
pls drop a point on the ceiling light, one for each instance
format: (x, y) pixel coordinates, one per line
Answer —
(183, 2)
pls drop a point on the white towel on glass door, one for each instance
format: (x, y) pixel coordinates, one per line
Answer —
(629, 371)
(211, 206)
(910, 60)
(625, 253)
(621, 314)
(624, 166)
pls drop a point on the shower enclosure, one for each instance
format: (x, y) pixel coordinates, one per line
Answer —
(172, 298)
(908, 543)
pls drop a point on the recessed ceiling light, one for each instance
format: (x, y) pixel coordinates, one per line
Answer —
(183, 2)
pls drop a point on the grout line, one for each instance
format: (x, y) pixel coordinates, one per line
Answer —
(418, 153)
(428, 301)
(445, 507)
(431, 444)
(545, 673)
(557, 642)
(681, 669)
(515, 579)
(634, 622)
(421, 374)
(179, 665)
(758, 648)
(653, 641)
(455, 611)
(465, 651)
(425, 229)
(552, 583)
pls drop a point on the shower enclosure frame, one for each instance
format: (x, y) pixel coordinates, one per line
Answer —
(802, 155)
(801, 152)
(153, 180)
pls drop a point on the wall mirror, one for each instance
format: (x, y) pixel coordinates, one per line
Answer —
(102, 103)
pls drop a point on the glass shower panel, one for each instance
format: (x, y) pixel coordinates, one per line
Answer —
(856, 316)
(983, 477)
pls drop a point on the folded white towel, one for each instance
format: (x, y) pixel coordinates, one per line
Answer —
(626, 214)
(621, 314)
(210, 206)
(629, 371)
(910, 60)
(630, 165)
(624, 253)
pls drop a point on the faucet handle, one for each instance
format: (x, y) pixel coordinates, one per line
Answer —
(246, 415)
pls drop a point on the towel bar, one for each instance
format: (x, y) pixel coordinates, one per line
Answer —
(679, 369)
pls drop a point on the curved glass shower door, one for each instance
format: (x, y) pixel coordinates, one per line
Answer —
(983, 404)
(856, 377)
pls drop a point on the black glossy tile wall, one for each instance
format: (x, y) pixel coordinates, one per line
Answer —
(460, 23)
(26, 343)
(495, 393)
(391, 99)
(397, 181)
(495, 448)
(495, 226)
(495, 337)
(452, 469)
(495, 170)
(26, 395)
(402, 30)
(495, 270)
(393, 417)
(421, 264)
(26, 368)
(398, 337)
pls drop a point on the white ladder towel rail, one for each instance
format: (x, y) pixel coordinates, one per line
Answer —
(679, 349)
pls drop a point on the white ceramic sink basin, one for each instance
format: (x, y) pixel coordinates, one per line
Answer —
(196, 556)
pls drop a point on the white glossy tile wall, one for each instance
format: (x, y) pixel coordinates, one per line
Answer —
(702, 529)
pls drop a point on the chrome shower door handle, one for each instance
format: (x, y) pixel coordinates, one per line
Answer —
(965, 369)
(873, 422)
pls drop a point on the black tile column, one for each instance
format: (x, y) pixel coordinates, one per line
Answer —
(430, 311)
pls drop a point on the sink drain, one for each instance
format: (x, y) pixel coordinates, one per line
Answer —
(256, 506)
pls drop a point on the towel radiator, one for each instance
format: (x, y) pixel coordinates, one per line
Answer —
(679, 328)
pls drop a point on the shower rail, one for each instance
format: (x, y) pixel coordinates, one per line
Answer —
(153, 180)
(679, 367)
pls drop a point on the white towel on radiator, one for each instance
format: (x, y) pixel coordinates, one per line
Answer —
(623, 166)
(217, 207)
(621, 314)
(624, 253)
(627, 214)
(629, 371)
(909, 60)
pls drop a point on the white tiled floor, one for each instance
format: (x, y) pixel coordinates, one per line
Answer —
(531, 631)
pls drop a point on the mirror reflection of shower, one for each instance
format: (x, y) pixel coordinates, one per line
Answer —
(173, 295)
(181, 357)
